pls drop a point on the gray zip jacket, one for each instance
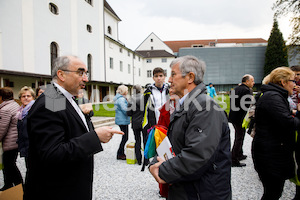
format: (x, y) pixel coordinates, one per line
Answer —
(200, 138)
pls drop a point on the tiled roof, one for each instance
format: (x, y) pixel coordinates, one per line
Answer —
(176, 45)
(107, 6)
(155, 53)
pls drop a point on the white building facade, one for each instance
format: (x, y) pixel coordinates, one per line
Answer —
(34, 32)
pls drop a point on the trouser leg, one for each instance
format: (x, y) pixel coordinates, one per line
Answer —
(273, 186)
(237, 149)
(137, 146)
(11, 173)
(123, 128)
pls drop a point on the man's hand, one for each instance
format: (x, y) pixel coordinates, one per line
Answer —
(105, 133)
(86, 108)
(154, 170)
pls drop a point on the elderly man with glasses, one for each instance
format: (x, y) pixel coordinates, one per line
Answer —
(200, 138)
(62, 140)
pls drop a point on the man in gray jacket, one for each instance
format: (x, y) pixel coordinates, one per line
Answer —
(200, 138)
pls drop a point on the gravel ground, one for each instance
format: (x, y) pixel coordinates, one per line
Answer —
(116, 180)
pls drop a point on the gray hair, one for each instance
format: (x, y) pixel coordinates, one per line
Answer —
(60, 63)
(137, 89)
(189, 64)
(122, 89)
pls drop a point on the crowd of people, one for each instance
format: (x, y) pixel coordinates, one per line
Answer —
(52, 129)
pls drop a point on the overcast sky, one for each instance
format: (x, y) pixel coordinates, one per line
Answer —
(195, 19)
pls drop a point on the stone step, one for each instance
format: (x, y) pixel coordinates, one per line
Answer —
(103, 121)
(104, 124)
(100, 120)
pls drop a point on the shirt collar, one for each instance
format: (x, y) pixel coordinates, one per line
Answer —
(64, 91)
(182, 99)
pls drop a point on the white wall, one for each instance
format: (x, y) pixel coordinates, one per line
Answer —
(1, 57)
(110, 20)
(27, 35)
(91, 43)
(138, 66)
(12, 46)
(112, 50)
(156, 62)
(153, 41)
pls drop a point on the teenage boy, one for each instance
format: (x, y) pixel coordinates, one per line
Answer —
(155, 96)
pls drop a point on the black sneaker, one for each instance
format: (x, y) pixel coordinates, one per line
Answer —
(121, 157)
(243, 157)
(238, 164)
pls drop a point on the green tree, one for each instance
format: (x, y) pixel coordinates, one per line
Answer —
(276, 52)
(285, 7)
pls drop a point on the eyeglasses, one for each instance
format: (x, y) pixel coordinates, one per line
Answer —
(293, 81)
(24, 96)
(79, 72)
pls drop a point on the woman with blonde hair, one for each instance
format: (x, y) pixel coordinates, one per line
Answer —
(274, 140)
(121, 118)
(27, 96)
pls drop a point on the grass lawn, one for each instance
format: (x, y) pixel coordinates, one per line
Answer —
(223, 101)
(107, 110)
(104, 110)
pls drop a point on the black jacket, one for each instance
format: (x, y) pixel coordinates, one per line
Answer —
(274, 141)
(135, 110)
(200, 139)
(236, 117)
(60, 156)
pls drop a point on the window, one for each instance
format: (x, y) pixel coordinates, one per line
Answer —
(111, 63)
(53, 53)
(133, 56)
(139, 58)
(197, 45)
(151, 40)
(149, 73)
(89, 65)
(53, 8)
(121, 66)
(165, 72)
(151, 48)
(163, 60)
(128, 53)
(109, 29)
(89, 2)
(129, 69)
(139, 71)
(149, 60)
(121, 49)
(89, 28)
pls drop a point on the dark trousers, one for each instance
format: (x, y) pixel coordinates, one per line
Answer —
(273, 186)
(123, 128)
(297, 195)
(137, 137)
(11, 173)
(237, 149)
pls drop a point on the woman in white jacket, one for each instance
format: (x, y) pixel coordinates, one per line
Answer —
(8, 137)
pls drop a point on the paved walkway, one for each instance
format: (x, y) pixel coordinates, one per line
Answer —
(116, 180)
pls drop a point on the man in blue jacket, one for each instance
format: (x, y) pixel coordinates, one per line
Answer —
(200, 138)
(211, 91)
